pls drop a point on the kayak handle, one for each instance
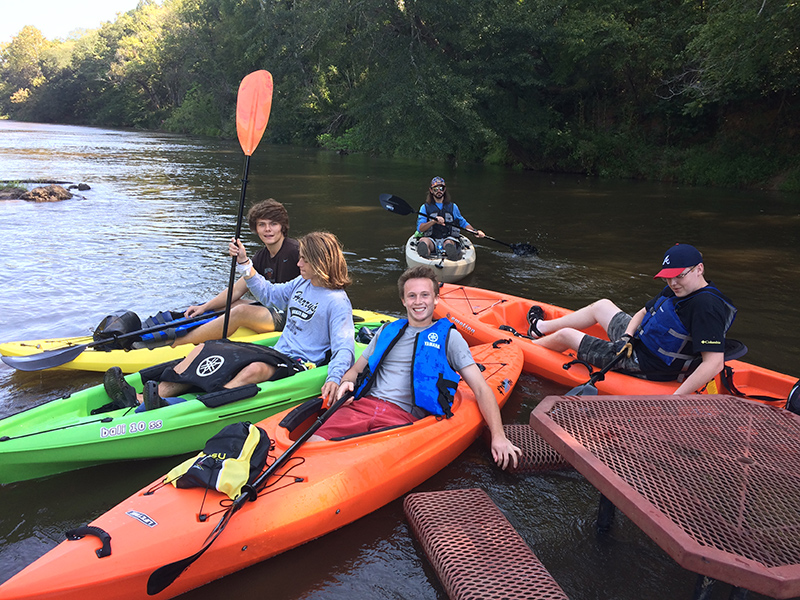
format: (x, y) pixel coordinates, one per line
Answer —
(84, 530)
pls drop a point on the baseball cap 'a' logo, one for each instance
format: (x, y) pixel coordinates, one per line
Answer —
(666, 260)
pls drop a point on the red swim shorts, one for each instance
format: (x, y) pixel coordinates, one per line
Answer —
(365, 414)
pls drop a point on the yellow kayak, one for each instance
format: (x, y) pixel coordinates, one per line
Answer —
(131, 361)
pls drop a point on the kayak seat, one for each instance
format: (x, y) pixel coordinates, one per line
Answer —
(511, 313)
(154, 373)
(734, 349)
(300, 414)
(226, 396)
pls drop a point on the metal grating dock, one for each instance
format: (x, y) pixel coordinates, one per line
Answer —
(714, 480)
(537, 455)
(475, 551)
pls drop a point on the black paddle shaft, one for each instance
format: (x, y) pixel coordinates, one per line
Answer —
(61, 356)
(239, 218)
(163, 577)
(397, 205)
(588, 388)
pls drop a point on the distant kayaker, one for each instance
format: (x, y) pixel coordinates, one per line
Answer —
(678, 335)
(441, 232)
(319, 331)
(276, 262)
(406, 373)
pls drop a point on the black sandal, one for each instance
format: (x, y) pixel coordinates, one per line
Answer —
(535, 314)
(152, 400)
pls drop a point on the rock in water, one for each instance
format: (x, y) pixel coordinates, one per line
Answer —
(50, 193)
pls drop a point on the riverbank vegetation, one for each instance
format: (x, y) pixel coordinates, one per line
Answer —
(703, 92)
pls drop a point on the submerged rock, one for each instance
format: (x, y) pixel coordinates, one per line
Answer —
(50, 193)
(11, 194)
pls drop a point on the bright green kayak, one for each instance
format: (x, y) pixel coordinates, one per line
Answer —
(63, 435)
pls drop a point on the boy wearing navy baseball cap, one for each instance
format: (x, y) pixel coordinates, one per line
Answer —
(678, 335)
(677, 258)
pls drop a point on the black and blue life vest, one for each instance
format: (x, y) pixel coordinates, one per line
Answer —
(665, 335)
(439, 232)
(433, 380)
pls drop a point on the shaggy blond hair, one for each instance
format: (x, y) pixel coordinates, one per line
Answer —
(323, 253)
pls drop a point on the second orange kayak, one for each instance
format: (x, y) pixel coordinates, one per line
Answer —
(479, 315)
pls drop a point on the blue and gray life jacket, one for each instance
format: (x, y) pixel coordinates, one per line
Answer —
(433, 380)
(665, 335)
(439, 232)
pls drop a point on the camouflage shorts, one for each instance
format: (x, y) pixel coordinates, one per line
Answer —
(599, 352)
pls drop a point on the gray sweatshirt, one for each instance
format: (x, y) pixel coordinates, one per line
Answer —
(318, 320)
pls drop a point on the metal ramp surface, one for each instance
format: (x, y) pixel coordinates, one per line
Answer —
(713, 480)
(475, 551)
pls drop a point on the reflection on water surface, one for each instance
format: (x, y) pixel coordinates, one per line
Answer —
(152, 233)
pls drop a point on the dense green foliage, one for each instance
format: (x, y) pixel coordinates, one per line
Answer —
(697, 91)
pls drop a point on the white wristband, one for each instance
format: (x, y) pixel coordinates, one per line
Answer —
(244, 269)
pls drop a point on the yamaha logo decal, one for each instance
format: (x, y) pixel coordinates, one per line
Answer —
(209, 366)
(433, 337)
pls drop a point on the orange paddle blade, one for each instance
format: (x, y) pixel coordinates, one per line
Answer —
(252, 109)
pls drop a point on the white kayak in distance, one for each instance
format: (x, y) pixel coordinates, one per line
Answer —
(447, 271)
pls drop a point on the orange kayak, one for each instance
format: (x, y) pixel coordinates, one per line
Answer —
(329, 484)
(478, 314)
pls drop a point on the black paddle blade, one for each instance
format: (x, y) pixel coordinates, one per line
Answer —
(162, 577)
(587, 389)
(524, 249)
(395, 204)
(45, 360)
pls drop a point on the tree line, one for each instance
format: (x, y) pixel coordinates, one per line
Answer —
(697, 91)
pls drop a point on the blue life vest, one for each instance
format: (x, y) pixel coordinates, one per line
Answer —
(439, 232)
(433, 380)
(665, 335)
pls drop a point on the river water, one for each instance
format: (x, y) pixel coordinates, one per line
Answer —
(152, 233)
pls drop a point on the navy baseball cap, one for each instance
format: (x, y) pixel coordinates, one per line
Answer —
(677, 258)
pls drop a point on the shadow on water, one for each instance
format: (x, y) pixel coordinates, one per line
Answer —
(152, 234)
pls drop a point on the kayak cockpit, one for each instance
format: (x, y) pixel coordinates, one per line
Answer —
(301, 417)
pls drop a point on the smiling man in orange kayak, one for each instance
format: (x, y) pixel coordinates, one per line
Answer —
(678, 335)
(411, 369)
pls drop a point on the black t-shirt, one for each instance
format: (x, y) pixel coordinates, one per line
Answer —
(283, 266)
(704, 314)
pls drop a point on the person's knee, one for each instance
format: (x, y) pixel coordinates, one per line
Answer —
(605, 304)
(256, 372)
(561, 335)
(184, 364)
(567, 338)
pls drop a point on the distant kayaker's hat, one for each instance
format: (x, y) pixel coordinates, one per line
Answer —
(438, 181)
(677, 258)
